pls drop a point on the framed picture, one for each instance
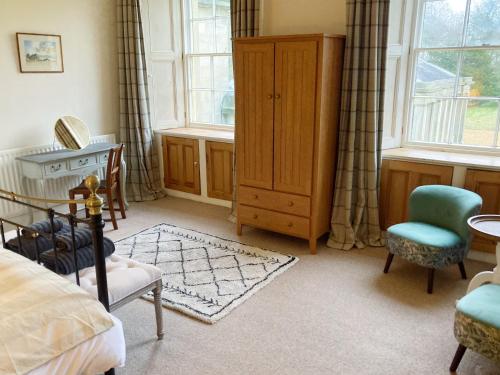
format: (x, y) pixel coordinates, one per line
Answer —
(39, 53)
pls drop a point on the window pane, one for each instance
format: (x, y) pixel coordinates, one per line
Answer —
(480, 73)
(443, 23)
(201, 106)
(223, 73)
(432, 120)
(200, 73)
(202, 36)
(224, 107)
(484, 23)
(201, 8)
(435, 73)
(223, 34)
(479, 122)
(222, 8)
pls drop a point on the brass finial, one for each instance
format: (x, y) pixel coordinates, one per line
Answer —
(94, 202)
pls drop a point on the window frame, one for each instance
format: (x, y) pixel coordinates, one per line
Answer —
(186, 20)
(414, 49)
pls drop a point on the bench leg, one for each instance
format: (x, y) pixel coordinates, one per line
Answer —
(158, 309)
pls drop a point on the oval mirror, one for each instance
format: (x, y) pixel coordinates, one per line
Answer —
(72, 133)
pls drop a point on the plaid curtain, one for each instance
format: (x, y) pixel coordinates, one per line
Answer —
(355, 220)
(244, 23)
(143, 176)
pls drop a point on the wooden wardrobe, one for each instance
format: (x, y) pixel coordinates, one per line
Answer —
(287, 113)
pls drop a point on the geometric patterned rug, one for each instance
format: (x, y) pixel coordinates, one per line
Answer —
(204, 276)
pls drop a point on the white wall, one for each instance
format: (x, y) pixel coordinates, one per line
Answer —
(30, 103)
(283, 17)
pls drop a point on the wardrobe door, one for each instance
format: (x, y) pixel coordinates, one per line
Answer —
(294, 118)
(254, 86)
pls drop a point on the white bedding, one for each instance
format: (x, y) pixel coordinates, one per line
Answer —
(93, 356)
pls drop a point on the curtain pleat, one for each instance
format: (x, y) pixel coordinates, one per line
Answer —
(143, 175)
(355, 213)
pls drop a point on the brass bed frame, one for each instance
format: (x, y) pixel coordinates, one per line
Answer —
(95, 222)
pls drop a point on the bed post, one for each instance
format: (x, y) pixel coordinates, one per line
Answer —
(94, 205)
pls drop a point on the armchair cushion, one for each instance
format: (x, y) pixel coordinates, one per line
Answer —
(426, 234)
(483, 305)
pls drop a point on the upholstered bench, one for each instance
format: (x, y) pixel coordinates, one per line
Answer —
(127, 280)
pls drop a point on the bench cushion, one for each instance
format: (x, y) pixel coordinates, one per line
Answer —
(125, 276)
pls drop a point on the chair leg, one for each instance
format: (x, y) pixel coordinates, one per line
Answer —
(72, 206)
(111, 207)
(388, 262)
(158, 310)
(430, 280)
(457, 358)
(87, 213)
(462, 270)
(121, 203)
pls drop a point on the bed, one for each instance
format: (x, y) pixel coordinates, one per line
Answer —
(48, 325)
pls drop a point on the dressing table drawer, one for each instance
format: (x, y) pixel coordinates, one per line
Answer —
(103, 158)
(83, 162)
(55, 168)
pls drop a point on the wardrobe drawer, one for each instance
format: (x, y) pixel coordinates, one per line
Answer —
(274, 221)
(274, 200)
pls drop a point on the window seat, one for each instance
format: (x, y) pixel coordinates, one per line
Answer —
(463, 159)
(200, 133)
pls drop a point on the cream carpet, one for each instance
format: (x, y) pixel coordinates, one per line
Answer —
(332, 313)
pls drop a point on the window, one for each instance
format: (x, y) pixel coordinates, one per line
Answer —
(455, 87)
(208, 62)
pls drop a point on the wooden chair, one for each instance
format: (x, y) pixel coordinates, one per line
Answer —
(109, 187)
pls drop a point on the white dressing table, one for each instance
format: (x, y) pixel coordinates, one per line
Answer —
(63, 163)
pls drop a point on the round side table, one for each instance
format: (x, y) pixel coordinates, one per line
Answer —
(488, 227)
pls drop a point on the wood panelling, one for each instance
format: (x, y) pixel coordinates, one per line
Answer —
(306, 75)
(275, 201)
(399, 179)
(487, 185)
(254, 91)
(294, 117)
(181, 164)
(219, 170)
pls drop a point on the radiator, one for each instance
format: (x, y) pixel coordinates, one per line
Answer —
(11, 176)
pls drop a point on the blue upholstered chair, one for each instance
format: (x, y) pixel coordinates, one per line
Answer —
(436, 234)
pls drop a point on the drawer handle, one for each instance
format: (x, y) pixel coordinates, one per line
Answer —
(55, 168)
(255, 216)
(290, 203)
(83, 162)
(255, 196)
(290, 225)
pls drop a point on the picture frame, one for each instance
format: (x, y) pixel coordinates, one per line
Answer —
(40, 53)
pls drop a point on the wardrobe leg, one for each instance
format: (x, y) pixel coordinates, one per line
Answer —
(313, 245)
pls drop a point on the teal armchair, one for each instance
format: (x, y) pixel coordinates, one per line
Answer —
(436, 234)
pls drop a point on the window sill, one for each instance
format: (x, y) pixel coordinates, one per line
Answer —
(217, 135)
(464, 159)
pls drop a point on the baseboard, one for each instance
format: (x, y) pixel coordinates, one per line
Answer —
(482, 256)
(198, 198)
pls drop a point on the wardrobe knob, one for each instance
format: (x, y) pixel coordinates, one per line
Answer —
(255, 216)
(290, 225)
(278, 96)
(290, 203)
(270, 96)
(255, 196)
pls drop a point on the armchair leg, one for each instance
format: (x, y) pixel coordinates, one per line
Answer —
(430, 280)
(158, 310)
(388, 262)
(462, 270)
(458, 357)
